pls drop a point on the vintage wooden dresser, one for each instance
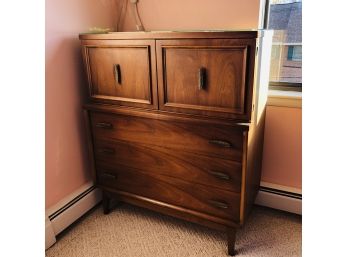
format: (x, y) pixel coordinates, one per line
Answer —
(176, 120)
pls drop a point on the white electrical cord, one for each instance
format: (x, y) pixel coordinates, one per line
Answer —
(138, 23)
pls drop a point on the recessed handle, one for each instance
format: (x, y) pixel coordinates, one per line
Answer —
(106, 150)
(219, 204)
(109, 175)
(105, 125)
(117, 73)
(220, 175)
(201, 78)
(221, 143)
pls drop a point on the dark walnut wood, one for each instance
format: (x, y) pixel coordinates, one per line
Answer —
(89, 144)
(106, 203)
(222, 141)
(220, 203)
(175, 122)
(199, 169)
(207, 77)
(121, 72)
(252, 34)
(231, 240)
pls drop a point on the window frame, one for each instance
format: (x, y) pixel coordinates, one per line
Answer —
(278, 85)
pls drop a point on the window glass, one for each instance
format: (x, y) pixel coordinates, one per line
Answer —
(285, 18)
(294, 53)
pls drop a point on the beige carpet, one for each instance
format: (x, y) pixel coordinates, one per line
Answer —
(130, 231)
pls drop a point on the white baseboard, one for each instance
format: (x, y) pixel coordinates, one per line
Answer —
(281, 187)
(50, 237)
(52, 209)
(280, 202)
(67, 211)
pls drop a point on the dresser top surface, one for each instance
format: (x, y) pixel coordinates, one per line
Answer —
(172, 34)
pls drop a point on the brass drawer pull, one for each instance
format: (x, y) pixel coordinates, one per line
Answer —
(104, 125)
(109, 176)
(221, 143)
(220, 175)
(218, 204)
(117, 73)
(106, 150)
(201, 78)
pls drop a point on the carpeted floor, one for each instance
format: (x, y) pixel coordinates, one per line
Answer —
(130, 231)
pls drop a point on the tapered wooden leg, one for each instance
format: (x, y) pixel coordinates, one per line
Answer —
(231, 238)
(106, 203)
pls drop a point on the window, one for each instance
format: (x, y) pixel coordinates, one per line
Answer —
(284, 17)
(294, 53)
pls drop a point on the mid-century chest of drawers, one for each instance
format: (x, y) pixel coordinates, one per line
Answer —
(175, 121)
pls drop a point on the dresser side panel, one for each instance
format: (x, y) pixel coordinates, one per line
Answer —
(256, 129)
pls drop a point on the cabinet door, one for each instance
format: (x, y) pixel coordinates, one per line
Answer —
(212, 77)
(122, 72)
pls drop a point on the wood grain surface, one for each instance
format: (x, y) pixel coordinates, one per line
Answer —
(195, 168)
(221, 203)
(122, 72)
(181, 136)
(225, 87)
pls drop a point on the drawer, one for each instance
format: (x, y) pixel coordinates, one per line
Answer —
(125, 156)
(222, 141)
(209, 77)
(122, 72)
(174, 191)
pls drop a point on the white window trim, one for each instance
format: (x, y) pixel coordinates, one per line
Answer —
(283, 98)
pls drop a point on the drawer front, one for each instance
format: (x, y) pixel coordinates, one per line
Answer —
(121, 72)
(208, 77)
(174, 191)
(125, 156)
(221, 141)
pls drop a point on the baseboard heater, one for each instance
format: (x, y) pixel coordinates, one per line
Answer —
(69, 210)
(71, 203)
(280, 199)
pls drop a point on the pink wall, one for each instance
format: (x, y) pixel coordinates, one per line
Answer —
(282, 152)
(66, 155)
(195, 14)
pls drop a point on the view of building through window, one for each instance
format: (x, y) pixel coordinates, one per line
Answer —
(285, 18)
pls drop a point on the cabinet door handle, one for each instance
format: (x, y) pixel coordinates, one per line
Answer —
(219, 204)
(105, 125)
(220, 175)
(221, 143)
(109, 176)
(106, 150)
(117, 73)
(201, 78)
